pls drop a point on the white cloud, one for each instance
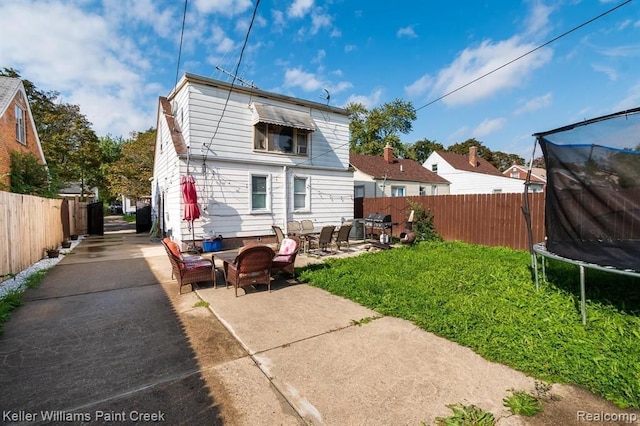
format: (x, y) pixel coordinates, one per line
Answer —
(610, 72)
(131, 12)
(319, 21)
(223, 43)
(537, 23)
(299, 8)
(480, 72)
(488, 127)
(350, 47)
(406, 32)
(535, 104)
(419, 87)
(320, 56)
(78, 54)
(304, 80)
(369, 101)
(309, 82)
(223, 7)
(631, 100)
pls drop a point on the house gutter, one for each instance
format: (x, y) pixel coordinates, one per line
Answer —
(266, 163)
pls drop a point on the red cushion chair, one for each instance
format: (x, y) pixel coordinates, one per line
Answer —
(285, 259)
(188, 270)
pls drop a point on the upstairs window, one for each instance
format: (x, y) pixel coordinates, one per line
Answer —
(21, 132)
(277, 138)
(434, 168)
(283, 130)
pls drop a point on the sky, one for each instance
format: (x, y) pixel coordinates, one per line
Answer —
(114, 58)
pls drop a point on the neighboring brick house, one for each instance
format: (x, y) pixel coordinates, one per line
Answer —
(17, 128)
(538, 176)
(387, 176)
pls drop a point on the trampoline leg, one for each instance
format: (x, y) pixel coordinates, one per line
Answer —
(544, 272)
(534, 264)
(583, 305)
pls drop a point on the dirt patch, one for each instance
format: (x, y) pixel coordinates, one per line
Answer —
(571, 405)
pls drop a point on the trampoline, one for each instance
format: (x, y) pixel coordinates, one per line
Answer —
(592, 201)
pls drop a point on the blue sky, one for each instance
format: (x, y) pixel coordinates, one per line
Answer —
(115, 57)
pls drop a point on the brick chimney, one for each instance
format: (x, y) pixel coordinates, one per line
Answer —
(388, 154)
(473, 156)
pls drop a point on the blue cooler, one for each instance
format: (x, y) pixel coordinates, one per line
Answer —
(213, 245)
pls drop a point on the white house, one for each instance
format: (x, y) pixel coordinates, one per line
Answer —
(387, 176)
(471, 174)
(258, 159)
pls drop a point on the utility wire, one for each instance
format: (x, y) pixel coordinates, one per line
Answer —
(235, 74)
(184, 17)
(525, 54)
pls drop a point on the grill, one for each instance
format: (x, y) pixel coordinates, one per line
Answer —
(378, 221)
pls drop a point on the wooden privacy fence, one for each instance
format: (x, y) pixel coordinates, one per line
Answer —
(487, 219)
(29, 225)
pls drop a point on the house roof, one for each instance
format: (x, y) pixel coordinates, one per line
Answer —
(538, 174)
(461, 162)
(398, 169)
(176, 135)
(8, 88)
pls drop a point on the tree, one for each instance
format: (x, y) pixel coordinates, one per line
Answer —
(422, 149)
(28, 176)
(130, 174)
(372, 130)
(110, 149)
(69, 143)
(502, 161)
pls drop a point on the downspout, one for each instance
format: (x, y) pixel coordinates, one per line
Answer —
(286, 200)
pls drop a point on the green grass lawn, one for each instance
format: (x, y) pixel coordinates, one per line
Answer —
(485, 298)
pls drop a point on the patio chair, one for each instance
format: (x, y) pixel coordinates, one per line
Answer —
(252, 266)
(188, 270)
(325, 238)
(293, 227)
(279, 235)
(286, 257)
(343, 236)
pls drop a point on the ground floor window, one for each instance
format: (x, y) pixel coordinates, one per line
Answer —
(397, 191)
(260, 193)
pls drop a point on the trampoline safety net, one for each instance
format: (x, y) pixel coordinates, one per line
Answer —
(592, 208)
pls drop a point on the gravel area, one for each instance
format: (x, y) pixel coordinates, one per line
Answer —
(17, 283)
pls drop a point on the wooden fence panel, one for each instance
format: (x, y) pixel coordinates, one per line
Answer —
(28, 225)
(486, 219)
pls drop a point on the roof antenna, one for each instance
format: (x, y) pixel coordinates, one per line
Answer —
(328, 97)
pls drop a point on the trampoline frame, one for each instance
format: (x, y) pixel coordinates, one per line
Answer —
(541, 249)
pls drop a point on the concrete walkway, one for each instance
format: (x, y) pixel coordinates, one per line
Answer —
(107, 339)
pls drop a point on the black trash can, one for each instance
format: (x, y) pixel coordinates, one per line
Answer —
(143, 219)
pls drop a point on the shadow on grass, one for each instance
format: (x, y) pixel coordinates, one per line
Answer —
(619, 291)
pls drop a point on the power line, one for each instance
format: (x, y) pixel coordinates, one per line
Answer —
(226, 102)
(525, 54)
(184, 17)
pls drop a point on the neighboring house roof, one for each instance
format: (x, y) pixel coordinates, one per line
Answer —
(8, 88)
(538, 174)
(398, 169)
(461, 162)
